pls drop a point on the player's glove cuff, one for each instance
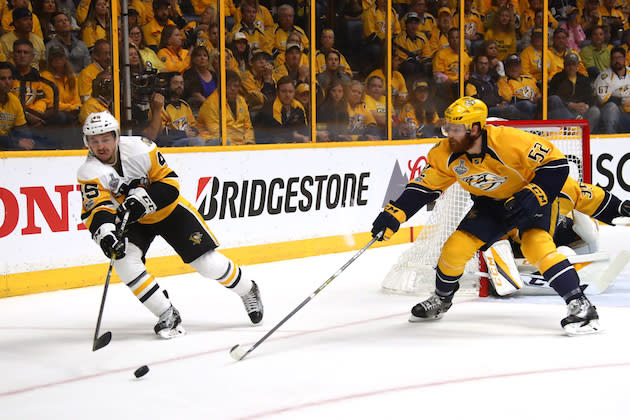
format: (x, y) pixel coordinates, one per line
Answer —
(525, 204)
(388, 221)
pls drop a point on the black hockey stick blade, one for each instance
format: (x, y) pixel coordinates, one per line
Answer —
(102, 341)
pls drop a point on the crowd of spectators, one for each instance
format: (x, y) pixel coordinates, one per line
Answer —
(56, 58)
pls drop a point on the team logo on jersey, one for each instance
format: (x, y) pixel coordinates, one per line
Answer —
(113, 182)
(196, 238)
(461, 168)
(486, 181)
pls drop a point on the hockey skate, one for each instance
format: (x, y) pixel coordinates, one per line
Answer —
(169, 325)
(433, 308)
(253, 304)
(582, 317)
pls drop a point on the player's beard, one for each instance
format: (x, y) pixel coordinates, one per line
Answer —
(462, 145)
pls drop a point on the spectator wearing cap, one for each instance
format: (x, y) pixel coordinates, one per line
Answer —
(557, 50)
(528, 16)
(327, 42)
(280, 32)
(255, 34)
(502, 30)
(23, 30)
(473, 27)
(303, 96)
(170, 51)
(76, 50)
(292, 67)
(596, 55)
(199, 81)
(612, 88)
(576, 92)
(241, 51)
(614, 19)
(574, 30)
(133, 17)
(518, 89)
(152, 30)
(446, 70)
(284, 120)
(292, 38)
(418, 118)
(412, 49)
(532, 56)
(439, 35)
(333, 71)
(258, 86)
(97, 23)
(8, 19)
(262, 17)
(526, 37)
(427, 21)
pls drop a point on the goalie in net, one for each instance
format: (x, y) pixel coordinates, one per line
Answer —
(514, 178)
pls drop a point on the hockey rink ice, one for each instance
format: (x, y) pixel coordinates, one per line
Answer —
(348, 354)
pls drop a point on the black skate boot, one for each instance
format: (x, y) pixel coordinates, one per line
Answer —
(433, 308)
(581, 317)
(253, 304)
(169, 325)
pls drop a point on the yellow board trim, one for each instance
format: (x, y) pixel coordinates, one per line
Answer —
(94, 275)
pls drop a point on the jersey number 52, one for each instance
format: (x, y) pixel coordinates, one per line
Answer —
(538, 152)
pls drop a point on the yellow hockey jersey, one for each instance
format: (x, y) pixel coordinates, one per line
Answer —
(510, 159)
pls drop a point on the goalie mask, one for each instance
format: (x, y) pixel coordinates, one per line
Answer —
(99, 123)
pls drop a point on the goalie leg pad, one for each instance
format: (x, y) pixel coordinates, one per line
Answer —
(502, 269)
(216, 266)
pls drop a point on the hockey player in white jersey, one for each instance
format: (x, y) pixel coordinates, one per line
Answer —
(131, 175)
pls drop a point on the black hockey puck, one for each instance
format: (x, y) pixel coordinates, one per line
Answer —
(141, 371)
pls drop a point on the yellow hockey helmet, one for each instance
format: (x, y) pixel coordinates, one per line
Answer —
(467, 110)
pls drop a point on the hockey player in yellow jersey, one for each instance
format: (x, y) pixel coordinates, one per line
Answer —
(514, 178)
(130, 175)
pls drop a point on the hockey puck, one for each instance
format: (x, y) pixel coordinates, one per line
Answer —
(141, 371)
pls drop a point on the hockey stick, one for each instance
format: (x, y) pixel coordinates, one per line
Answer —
(101, 341)
(238, 353)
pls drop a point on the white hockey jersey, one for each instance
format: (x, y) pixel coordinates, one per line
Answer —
(103, 188)
(608, 84)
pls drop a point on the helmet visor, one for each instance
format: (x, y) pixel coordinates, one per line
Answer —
(453, 130)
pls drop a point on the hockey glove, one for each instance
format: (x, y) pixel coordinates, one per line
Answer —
(138, 204)
(525, 204)
(388, 221)
(106, 237)
(624, 209)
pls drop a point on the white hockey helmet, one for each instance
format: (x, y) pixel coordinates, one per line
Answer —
(99, 123)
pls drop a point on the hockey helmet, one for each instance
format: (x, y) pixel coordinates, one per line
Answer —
(99, 123)
(467, 110)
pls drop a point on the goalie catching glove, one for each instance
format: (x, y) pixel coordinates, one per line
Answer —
(111, 245)
(388, 221)
(525, 204)
(138, 203)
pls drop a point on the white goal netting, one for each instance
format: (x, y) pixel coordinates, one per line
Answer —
(414, 272)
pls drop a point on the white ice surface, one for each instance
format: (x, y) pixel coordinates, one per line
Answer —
(348, 354)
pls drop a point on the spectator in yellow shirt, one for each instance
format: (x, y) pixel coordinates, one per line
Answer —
(327, 42)
(171, 53)
(558, 50)
(97, 22)
(255, 34)
(376, 103)
(263, 17)
(426, 20)
(23, 30)
(14, 134)
(446, 70)
(503, 32)
(473, 27)
(412, 49)
(285, 25)
(439, 35)
(60, 73)
(519, 89)
(152, 30)
(101, 60)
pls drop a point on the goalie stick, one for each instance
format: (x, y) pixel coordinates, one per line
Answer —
(238, 353)
(101, 341)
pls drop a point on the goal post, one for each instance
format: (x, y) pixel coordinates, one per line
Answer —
(414, 272)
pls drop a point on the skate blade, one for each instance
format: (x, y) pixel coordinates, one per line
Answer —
(413, 318)
(577, 329)
(167, 334)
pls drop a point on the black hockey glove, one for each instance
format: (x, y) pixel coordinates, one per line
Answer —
(138, 204)
(388, 222)
(525, 204)
(111, 245)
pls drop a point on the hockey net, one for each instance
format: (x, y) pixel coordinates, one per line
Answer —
(414, 272)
